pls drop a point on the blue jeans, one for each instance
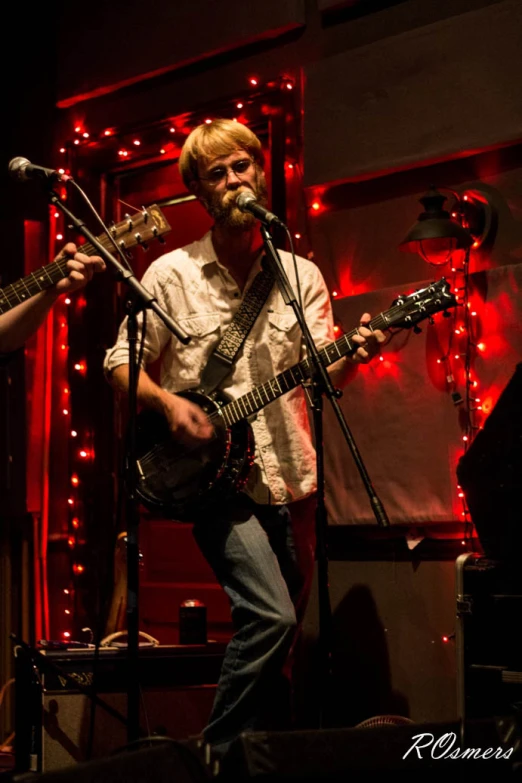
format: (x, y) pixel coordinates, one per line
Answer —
(252, 552)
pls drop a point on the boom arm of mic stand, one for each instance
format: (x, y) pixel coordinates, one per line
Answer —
(322, 373)
(124, 274)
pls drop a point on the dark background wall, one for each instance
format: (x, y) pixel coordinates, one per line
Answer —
(391, 97)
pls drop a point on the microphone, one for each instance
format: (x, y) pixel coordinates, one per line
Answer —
(24, 170)
(247, 202)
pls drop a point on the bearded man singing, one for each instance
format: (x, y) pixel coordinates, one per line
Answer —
(260, 545)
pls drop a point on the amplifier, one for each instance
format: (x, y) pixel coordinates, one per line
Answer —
(54, 719)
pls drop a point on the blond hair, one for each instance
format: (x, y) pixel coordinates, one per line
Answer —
(213, 139)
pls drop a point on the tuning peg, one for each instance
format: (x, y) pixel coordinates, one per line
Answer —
(145, 214)
(144, 246)
(160, 239)
(417, 329)
(446, 314)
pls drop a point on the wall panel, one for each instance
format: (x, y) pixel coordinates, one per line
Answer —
(445, 90)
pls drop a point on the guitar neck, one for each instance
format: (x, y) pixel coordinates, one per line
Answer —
(262, 395)
(42, 278)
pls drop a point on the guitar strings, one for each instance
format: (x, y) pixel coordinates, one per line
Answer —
(54, 271)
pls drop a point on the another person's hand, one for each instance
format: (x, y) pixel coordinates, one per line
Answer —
(187, 422)
(369, 341)
(81, 269)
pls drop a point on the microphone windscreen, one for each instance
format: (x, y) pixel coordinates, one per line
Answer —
(17, 167)
(244, 199)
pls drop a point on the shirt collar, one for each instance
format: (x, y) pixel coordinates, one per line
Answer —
(207, 254)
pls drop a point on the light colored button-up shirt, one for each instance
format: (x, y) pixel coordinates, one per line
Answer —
(200, 294)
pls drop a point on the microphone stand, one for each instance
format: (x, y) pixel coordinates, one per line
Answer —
(321, 384)
(139, 299)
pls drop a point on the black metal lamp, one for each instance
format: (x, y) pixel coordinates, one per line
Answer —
(436, 234)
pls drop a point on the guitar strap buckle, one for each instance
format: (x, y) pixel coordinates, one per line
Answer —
(217, 368)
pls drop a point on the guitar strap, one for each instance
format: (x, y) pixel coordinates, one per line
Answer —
(224, 354)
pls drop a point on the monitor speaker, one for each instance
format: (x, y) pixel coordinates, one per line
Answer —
(333, 755)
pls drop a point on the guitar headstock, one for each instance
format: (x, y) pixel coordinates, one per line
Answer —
(409, 309)
(138, 229)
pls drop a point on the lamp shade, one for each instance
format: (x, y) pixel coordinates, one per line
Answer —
(435, 235)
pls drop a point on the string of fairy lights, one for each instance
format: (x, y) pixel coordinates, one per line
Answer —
(165, 138)
(69, 369)
(459, 360)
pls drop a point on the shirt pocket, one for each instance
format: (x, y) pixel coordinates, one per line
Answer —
(199, 326)
(204, 332)
(284, 337)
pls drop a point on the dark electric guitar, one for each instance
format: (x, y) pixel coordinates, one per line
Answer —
(181, 483)
(136, 229)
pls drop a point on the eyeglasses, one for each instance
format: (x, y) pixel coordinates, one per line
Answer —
(220, 173)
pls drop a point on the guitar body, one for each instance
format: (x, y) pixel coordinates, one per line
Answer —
(182, 483)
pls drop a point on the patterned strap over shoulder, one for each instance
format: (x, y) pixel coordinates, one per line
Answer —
(225, 352)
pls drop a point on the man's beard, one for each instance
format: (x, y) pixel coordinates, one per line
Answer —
(225, 211)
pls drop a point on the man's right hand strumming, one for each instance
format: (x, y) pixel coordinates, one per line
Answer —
(188, 423)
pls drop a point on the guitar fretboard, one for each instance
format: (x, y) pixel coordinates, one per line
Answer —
(262, 395)
(42, 278)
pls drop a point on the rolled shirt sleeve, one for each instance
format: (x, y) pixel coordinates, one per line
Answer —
(156, 333)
